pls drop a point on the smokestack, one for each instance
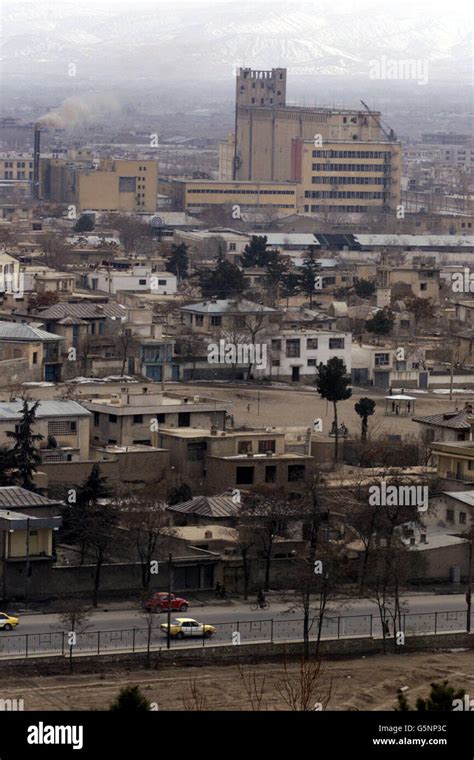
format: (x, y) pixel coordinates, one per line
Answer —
(36, 163)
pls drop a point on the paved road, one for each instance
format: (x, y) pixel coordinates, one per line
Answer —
(119, 630)
(218, 613)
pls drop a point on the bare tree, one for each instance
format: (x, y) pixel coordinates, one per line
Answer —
(304, 689)
(253, 688)
(196, 699)
(74, 616)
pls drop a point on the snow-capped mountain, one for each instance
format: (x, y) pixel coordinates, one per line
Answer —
(207, 39)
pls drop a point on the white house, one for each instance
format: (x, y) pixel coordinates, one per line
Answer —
(295, 354)
(138, 277)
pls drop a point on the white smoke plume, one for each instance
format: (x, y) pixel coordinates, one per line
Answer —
(79, 111)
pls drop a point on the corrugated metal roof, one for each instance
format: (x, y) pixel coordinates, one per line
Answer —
(466, 497)
(12, 410)
(82, 311)
(455, 420)
(222, 306)
(417, 240)
(208, 506)
(12, 497)
(15, 331)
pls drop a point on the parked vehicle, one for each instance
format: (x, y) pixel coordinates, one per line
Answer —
(181, 627)
(161, 600)
(8, 622)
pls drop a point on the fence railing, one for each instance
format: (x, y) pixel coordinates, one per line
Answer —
(236, 632)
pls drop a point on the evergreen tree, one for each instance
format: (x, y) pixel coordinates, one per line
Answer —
(364, 288)
(24, 450)
(332, 383)
(225, 281)
(365, 407)
(7, 466)
(130, 699)
(255, 253)
(309, 272)
(85, 223)
(178, 263)
(290, 285)
(78, 514)
(275, 268)
(381, 323)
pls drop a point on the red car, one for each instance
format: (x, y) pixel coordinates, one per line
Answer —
(161, 600)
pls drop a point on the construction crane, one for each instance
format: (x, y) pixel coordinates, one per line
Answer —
(389, 134)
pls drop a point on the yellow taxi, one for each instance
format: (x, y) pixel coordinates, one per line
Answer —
(181, 627)
(8, 622)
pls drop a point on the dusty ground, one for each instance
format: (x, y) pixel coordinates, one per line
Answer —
(300, 407)
(361, 684)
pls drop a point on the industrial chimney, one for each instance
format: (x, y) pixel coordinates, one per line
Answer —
(36, 163)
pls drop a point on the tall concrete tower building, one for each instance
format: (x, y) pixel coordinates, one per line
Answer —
(265, 126)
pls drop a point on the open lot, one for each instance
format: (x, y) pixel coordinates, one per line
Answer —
(300, 406)
(365, 683)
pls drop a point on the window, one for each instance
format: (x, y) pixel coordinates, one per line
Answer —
(276, 345)
(382, 360)
(161, 282)
(196, 451)
(264, 446)
(450, 515)
(199, 319)
(127, 184)
(423, 285)
(336, 343)
(293, 348)
(160, 418)
(462, 518)
(35, 357)
(312, 344)
(184, 419)
(138, 419)
(311, 363)
(216, 321)
(244, 476)
(96, 419)
(270, 473)
(239, 321)
(296, 472)
(275, 362)
(112, 418)
(61, 427)
(232, 246)
(244, 447)
(142, 282)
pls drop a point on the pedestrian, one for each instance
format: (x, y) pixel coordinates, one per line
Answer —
(222, 591)
(248, 408)
(218, 589)
(386, 628)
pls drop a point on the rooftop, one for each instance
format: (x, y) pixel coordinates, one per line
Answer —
(13, 497)
(26, 333)
(228, 306)
(12, 410)
(83, 311)
(455, 420)
(208, 506)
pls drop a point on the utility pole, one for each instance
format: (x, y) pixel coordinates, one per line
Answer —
(27, 579)
(469, 582)
(168, 635)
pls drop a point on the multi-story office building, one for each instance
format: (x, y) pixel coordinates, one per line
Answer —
(265, 126)
(342, 177)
